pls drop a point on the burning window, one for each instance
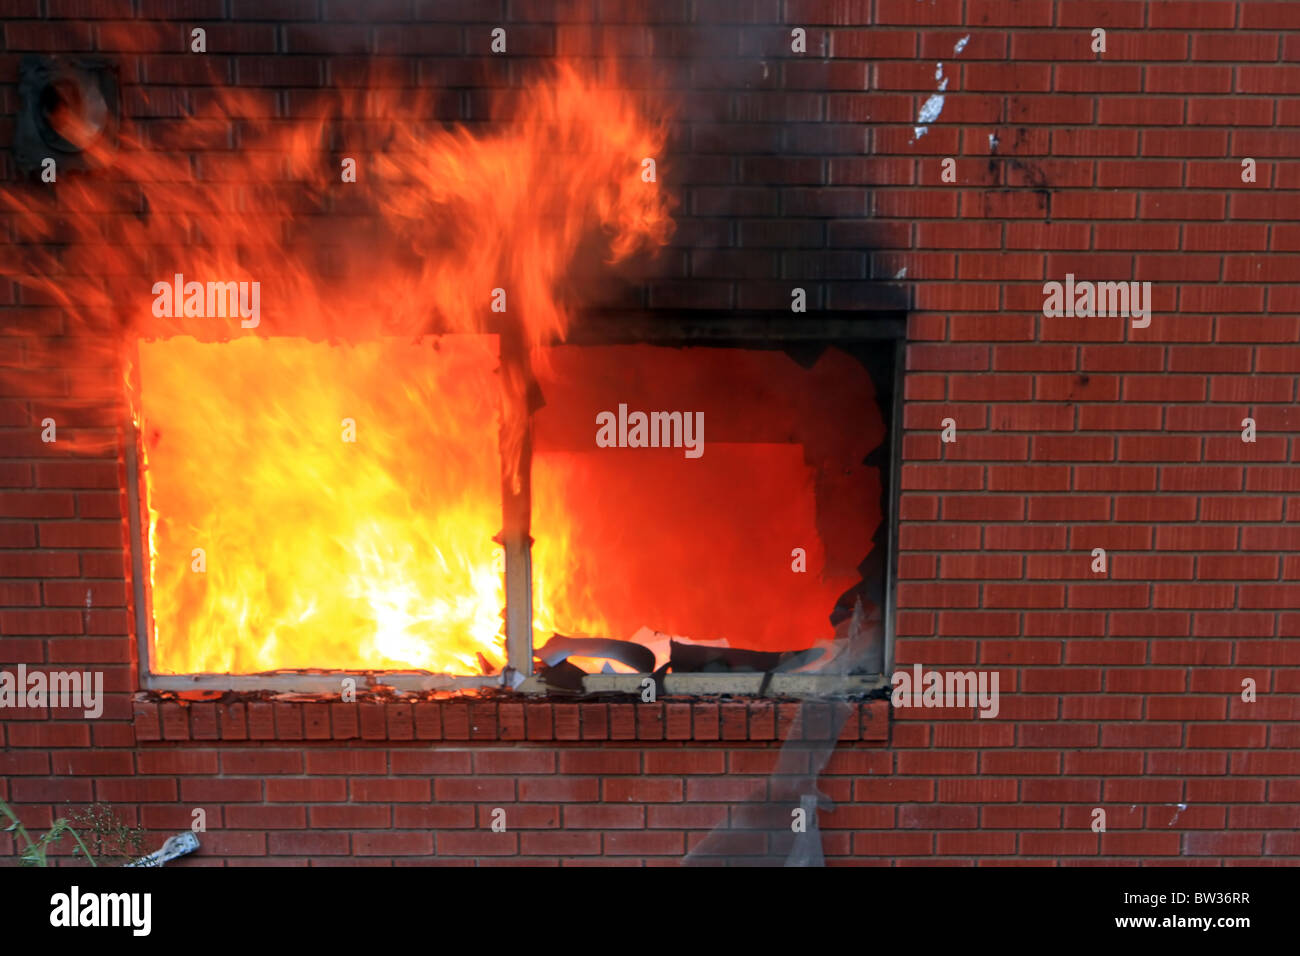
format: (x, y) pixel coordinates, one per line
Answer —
(372, 436)
(698, 505)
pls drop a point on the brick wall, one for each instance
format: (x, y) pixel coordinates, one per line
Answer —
(1120, 691)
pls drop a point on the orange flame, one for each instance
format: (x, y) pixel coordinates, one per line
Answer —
(319, 552)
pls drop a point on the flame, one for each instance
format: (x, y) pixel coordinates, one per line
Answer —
(318, 552)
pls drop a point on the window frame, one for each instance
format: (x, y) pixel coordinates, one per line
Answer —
(680, 328)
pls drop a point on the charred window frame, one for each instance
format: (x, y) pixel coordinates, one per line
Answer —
(877, 339)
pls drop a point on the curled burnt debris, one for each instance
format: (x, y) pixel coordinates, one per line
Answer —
(557, 674)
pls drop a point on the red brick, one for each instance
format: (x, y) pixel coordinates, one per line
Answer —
(316, 721)
(428, 721)
(644, 843)
(435, 762)
(650, 721)
(175, 722)
(456, 724)
(306, 790)
(308, 843)
(146, 722)
(559, 789)
(493, 789)
(391, 791)
(350, 762)
(482, 719)
(349, 817)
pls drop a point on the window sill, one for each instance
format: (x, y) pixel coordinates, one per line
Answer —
(489, 721)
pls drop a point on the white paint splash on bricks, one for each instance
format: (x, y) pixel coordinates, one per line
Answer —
(933, 106)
